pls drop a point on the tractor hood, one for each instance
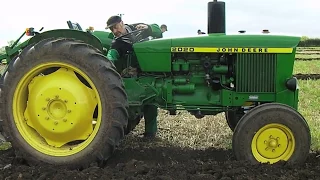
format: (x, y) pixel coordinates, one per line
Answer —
(219, 40)
(155, 55)
(238, 40)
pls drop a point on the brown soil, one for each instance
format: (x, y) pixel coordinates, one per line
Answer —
(306, 59)
(307, 76)
(164, 163)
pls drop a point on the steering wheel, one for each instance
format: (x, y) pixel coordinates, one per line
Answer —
(132, 37)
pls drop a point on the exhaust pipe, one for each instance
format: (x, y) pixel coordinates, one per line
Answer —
(216, 17)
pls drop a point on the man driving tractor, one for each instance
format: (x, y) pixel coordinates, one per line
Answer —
(119, 48)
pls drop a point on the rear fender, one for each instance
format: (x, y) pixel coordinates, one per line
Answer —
(69, 33)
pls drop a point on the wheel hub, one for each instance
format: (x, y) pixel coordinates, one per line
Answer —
(273, 143)
(58, 106)
(57, 109)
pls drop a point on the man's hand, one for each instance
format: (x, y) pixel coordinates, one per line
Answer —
(142, 26)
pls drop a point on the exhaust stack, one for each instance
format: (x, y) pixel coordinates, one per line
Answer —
(216, 17)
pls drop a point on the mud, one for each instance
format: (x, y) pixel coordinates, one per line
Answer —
(307, 59)
(309, 53)
(164, 164)
(307, 76)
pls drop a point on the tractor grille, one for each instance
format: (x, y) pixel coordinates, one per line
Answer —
(255, 72)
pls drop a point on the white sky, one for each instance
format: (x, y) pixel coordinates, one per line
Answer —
(183, 17)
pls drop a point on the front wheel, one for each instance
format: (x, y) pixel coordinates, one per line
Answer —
(270, 133)
(233, 117)
(63, 103)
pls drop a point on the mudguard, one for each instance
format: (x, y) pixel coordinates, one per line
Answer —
(69, 33)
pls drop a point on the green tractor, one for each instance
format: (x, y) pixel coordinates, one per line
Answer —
(64, 103)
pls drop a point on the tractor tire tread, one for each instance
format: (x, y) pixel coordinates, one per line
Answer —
(101, 70)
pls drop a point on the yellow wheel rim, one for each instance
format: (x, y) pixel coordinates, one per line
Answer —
(54, 113)
(272, 143)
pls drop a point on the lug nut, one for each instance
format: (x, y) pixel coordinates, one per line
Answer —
(47, 118)
(44, 108)
(64, 120)
(69, 111)
(56, 123)
(57, 96)
(48, 99)
(65, 101)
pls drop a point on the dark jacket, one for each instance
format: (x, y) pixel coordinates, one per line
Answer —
(119, 48)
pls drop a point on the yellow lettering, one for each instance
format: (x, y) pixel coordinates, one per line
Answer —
(230, 50)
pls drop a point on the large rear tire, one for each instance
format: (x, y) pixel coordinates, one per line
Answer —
(63, 103)
(270, 133)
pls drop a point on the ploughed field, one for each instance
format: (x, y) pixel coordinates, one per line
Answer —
(190, 148)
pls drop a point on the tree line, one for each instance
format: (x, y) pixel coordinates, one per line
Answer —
(2, 49)
(309, 42)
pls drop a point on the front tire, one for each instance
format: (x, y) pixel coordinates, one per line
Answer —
(270, 133)
(233, 117)
(63, 103)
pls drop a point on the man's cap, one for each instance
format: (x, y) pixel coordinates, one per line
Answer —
(164, 26)
(113, 20)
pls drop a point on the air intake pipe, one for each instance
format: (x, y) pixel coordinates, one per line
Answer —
(216, 17)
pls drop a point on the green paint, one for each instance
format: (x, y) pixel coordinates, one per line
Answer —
(175, 81)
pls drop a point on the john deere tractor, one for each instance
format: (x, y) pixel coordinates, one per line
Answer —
(63, 102)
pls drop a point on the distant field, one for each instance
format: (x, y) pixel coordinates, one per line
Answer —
(307, 67)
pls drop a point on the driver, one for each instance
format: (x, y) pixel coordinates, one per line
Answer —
(118, 50)
(118, 28)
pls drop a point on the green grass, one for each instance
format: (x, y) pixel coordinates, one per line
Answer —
(308, 56)
(303, 48)
(307, 67)
(309, 107)
(5, 146)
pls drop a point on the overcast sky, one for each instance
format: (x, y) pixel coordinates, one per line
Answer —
(183, 17)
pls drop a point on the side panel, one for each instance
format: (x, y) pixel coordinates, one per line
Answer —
(69, 33)
(284, 71)
(154, 55)
(285, 66)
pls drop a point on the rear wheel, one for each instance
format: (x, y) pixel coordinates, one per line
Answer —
(63, 103)
(270, 133)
